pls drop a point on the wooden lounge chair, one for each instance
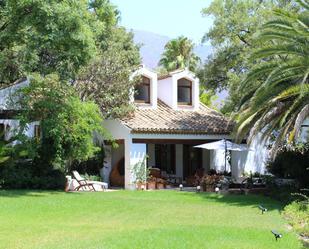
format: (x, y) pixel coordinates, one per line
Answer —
(85, 184)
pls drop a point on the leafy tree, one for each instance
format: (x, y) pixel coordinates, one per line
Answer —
(67, 124)
(276, 89)
(207, 97)
(179, 54)
(51, 36)
(106, 80)
(232, 37)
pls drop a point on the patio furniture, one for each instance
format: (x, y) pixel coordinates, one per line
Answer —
(87, 185)
(174, 180)
(156, 177)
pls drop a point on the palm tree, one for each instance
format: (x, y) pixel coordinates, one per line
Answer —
(179, 54)
(276, 90)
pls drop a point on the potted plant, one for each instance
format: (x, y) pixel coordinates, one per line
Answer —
(209, 181)
(161, 184)
(141, 173)
(151, 183)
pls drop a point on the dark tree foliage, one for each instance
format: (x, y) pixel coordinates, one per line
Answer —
(51, 36)
(291, 164)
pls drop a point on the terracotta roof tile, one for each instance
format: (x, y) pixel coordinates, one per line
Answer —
(164, 119)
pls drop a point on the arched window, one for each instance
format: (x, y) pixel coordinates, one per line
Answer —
(184, 92)
(142, 91)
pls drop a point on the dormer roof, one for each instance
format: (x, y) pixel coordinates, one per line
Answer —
(177, 71)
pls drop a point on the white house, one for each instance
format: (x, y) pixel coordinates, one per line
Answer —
(167, 123)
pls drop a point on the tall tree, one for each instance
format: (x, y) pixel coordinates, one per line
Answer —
(179, 54)
(50, 36)
(67, 124)
(106, 79)
(232, 37)
(276, 90)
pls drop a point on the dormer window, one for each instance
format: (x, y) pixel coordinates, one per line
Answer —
(184, 92)
(142, 91)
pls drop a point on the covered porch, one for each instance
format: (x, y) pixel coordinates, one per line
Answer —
(173, 155)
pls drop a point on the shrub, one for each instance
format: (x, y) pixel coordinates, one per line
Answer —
(91, 166)
(18, 172)
(291, 164)
(22, 175)
(297, 213)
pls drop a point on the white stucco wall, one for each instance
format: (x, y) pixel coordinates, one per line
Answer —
(243, 161)
(304, 134)
(6, 95)
(257, 158)
(217, 160)
(116, 129)
(252, 161)
(195, 90)
(29, 132)
(165, 90)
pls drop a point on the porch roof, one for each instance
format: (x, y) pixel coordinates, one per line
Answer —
(164, 119)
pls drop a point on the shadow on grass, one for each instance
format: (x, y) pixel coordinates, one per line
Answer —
(31, 193)
(242, 200)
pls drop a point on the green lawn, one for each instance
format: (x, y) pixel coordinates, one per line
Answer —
(136, 219)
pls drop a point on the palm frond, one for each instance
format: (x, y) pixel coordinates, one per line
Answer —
(303, 3)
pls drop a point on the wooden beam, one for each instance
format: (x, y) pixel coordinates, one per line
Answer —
(172, 141)
(8, 114)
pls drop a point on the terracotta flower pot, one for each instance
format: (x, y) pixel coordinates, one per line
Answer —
(160, 185)
(140, 186)
(151, 185)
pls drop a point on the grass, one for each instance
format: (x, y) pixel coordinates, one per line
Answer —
(136, 219)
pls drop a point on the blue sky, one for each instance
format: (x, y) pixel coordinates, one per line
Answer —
(165, 17)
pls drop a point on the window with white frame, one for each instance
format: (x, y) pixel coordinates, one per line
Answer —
(142, 91)
(184, 92)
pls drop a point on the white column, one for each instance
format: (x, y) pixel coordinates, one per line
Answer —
(107, 166)
(127, 166)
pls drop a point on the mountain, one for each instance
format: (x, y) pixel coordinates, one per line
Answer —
(152, 46)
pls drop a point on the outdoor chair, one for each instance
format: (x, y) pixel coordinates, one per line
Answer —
(87, 185)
